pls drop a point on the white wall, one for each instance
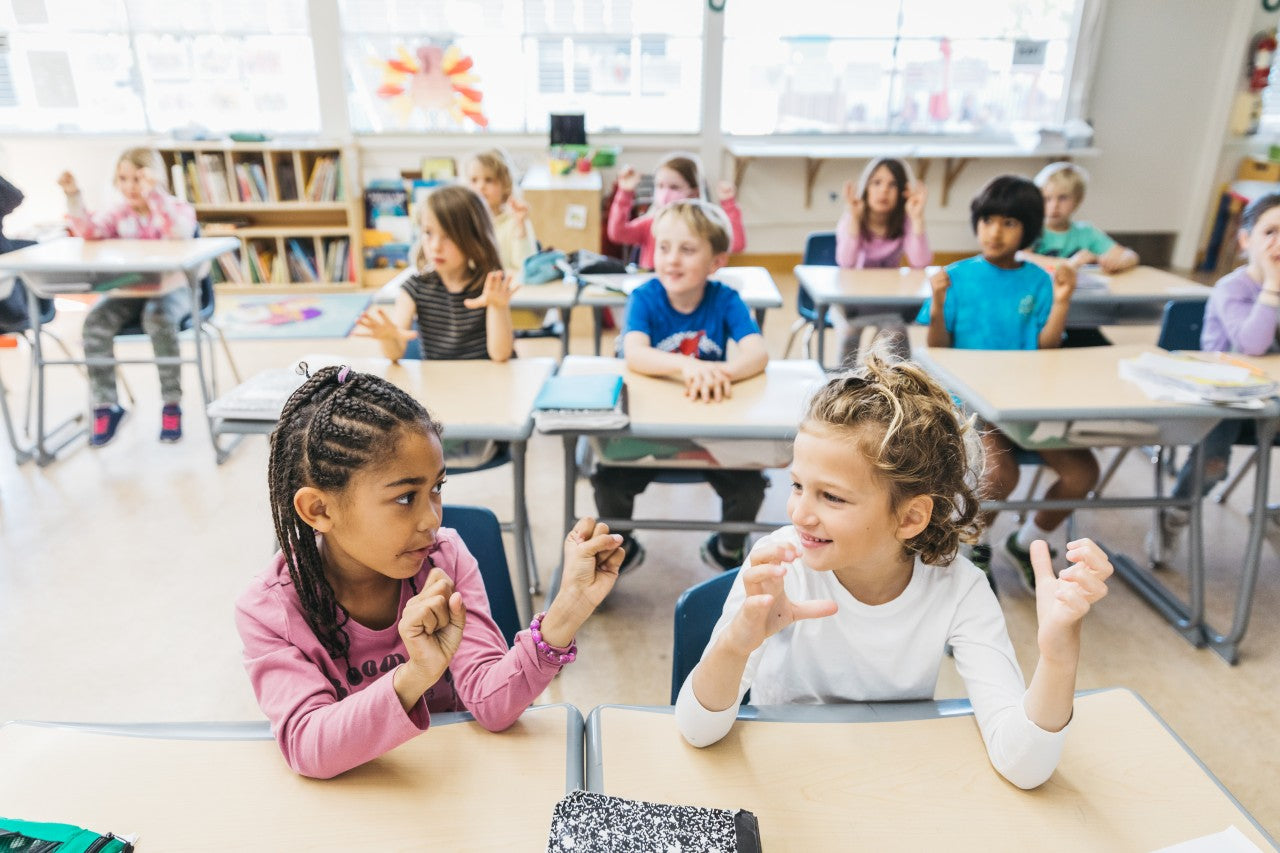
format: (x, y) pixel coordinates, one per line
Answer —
(1165, 77)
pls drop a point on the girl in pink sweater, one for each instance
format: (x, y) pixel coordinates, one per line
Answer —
(677, 177)
(373, 616)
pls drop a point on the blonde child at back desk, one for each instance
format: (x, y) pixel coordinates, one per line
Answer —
(996, 301)
(1063, 186)
(373, 616)
(146, 213)
(680, 325)
(857, 600)
(460, 299)
(677, 177)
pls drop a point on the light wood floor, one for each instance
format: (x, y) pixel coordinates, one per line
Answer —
(119, 568)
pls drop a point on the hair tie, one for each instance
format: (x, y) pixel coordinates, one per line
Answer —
(343, 373)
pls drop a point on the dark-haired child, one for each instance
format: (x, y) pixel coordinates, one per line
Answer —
(856, 600)
(995, 301)
(373, 616)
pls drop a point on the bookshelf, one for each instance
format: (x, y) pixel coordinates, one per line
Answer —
(296, 210)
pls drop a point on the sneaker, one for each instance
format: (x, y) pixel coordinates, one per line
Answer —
(1021, 560)
(981, 557)
(634, 554)
(105, 421)
(171, 422)
(717, 559)
(1164, 540)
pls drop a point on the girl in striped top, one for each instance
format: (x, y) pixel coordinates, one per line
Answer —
(461, 299)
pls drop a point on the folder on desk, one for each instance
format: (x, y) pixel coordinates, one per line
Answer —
(586, 822)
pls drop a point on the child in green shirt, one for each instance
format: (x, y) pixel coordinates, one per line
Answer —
(1062, 185)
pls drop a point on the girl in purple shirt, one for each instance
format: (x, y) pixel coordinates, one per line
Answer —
(373, 617)
(1241, 316)
(883, 222)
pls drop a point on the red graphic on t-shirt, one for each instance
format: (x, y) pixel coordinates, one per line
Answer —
(689, 345)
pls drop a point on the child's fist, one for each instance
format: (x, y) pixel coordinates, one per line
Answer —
(431, 625)
(1064, 282)
(726, 191)
(68, 183)
(592, 556)
(628, 179)
(1063, 601)
(916, 196)
(940, 282)
(853, 201)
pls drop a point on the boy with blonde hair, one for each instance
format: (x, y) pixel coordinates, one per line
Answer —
(679, 325)
(1063, 186)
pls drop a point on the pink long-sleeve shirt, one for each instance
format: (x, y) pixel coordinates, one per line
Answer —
(639, 231)
(862, 251)
(166, 218)
(1234, 319)
(329, 717)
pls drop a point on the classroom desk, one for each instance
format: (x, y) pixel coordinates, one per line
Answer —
(754, 285)
(480, 399)
(53, 267)
(1027, 391)
(20, 453)
(226, 786)
(915, 776)
(560, 294)
(1135, 296)
(767, 407)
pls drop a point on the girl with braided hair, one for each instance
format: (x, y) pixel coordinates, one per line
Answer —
(373, 616)
(857, 600)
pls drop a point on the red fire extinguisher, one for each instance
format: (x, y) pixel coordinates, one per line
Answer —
(1261, 52)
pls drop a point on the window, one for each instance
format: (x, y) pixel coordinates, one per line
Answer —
(157, 66)
(628, 65)
(904, 67)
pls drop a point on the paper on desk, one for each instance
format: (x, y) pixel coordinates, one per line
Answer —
(1163, 392)
(1230, 840)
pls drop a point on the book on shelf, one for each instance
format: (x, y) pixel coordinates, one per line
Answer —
(593, 401)
(384, 197)
(1208, 376)
(230, 267)
(286, 181)
(587, 822)
(300, 262)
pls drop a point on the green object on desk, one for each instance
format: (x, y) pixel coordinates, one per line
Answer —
(29, 835)
(117, 281)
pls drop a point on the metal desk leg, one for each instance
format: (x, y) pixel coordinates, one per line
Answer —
(520, 529)
(597, 317)
(566, 315)
(820, 324)
(570, 441)
(45, 455)
(20, 454)
(760, 318)
(1228, 645)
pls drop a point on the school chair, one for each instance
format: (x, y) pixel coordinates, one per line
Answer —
(819, 250)
(15, 319)
(482, 534)
(697, 611)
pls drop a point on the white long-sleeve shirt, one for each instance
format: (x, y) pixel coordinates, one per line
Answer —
(889, 652)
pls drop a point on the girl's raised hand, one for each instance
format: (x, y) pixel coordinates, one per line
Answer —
(917, 195)
(431, 626)
(767, 609)
(67, 182)
(853, 201)
(519, 209)
(726, 191)
(1064, 282)
(498, 289)
(628, 179)
(1063, 601)
(378, 324)
(940, 283)
(591, 559)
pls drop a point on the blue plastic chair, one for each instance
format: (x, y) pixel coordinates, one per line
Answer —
(480, 530)
(819, 250)
(697, 611)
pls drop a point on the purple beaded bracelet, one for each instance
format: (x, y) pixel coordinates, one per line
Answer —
(549, 652)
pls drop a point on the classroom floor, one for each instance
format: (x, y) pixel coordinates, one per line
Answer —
(119, 568)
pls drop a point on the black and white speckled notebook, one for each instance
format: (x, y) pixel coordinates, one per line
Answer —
(597, 823)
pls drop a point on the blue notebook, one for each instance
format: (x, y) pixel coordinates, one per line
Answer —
(586, 391)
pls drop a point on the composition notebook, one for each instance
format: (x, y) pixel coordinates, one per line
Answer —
(585, 822)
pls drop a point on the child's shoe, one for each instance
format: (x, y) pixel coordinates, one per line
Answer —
(105, 421)
(717, 559)
(171, 422)
(1021, 560)
(634, 555)
(1164, 540)
(981, 557)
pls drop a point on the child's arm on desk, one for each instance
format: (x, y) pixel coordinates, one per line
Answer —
(1064, 284)
(703, 380)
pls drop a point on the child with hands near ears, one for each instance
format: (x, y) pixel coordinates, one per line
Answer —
(147, 213)
(994, 301)
(489, 174)
(461, 299)
(857, 600)
(677, 177)
(373, 616)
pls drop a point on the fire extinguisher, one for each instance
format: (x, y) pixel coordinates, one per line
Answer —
(1261, 52)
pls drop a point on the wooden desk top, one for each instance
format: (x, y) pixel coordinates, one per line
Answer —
(1125, 782)
(73, 254)
(908, 287)
(1057, 384)
(766, 406)
(754, 284)
(456, 787)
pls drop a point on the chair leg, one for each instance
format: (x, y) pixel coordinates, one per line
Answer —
(791, 336)
(226, 350)
(807, 341)
(1237, 477)
(1112, 467)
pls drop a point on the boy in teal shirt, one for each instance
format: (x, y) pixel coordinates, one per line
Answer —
(1062, 185)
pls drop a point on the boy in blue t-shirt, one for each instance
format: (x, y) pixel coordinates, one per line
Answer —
(995, 301)
(1062, 185)
(680, 325)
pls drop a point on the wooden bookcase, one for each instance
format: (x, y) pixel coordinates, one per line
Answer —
(296, 209)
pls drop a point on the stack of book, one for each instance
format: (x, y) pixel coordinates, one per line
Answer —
(1208, 376)
(585, 402)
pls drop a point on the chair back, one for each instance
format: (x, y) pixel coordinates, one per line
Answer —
(819, 250)
(697, 611)
(1181, 324)
(482, 534)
